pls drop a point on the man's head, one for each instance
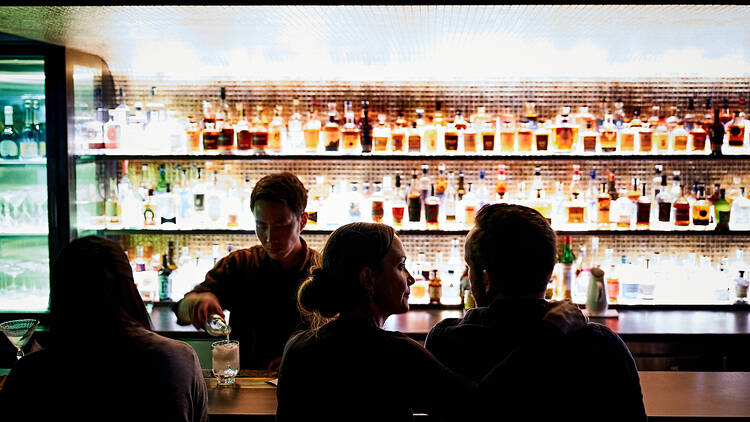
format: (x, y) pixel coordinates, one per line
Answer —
(278, 203)
(511, 252)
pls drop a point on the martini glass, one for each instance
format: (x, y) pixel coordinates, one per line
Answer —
(19, 332)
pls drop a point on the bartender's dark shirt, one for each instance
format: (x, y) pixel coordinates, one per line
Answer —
(261, 296)
(590, 375)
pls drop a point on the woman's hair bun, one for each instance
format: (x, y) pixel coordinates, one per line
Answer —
(319, 294)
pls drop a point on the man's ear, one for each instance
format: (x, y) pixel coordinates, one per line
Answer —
(488, 282)
(302, 221)
(366, 280)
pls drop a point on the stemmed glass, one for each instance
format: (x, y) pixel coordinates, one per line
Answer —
(19, 332)
(5, 218)
(15, 200)
(38, 197)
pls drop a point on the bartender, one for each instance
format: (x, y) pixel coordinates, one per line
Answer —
(259, 285)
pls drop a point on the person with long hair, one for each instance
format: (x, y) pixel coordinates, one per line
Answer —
(346, 367)
(103, 361)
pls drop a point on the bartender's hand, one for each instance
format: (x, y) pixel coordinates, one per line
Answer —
(274, 364)
(565, 316)
(206, 304)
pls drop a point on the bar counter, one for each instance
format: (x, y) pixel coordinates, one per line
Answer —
(659, 339)
(666, 396)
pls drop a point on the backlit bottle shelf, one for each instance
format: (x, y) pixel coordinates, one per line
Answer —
(23, 233)
(460, 232)
(404, 157)
(24, 162)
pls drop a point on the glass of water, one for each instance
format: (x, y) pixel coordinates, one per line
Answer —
(225, 360)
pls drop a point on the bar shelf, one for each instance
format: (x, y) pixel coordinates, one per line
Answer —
(24, 162)
(406, 157)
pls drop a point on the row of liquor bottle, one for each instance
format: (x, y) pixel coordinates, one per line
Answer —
(664, 278)
(224, 130)
(198, 198)
(31, 140)
(658, 277)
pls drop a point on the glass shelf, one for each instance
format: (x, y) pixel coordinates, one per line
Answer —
(402, 157)
(24, 162)
(20, 233)
(463, 232)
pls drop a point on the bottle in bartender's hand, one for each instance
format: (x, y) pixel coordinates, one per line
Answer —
(216, 326)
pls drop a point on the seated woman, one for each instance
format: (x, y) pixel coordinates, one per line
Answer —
(348, 368)
(103, 361)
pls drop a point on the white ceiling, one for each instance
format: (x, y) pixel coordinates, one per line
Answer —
(399, 42)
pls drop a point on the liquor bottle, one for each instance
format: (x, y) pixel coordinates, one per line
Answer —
(608, 138)
(679, 138)
(740, 212)
(618, 115)
(354, 201)
(439, 124)
(736, 130)
(643, 210)
(725, 115)
(622, 211)
(451, 200)
(635, 191)
(209, 133)
(701, 209)
(295, 134)
(723, 210)
(349, 132)
(377, 208)
(167, 206)
(575, 182)
(432, 210)
(441, 184)
(566, 132)
(414, 200)
(165, 285)
(525, 137)
(664, 201)
(9, 138)
(698, 137)
(482, 193)
(415, 138)
(507, 137)
(451, 134)
(460, 190)
(111, 205)
(541, 204)
(681, 208)
(276, 130)
(661, 135)
(707, 120)
(424, 183)
(612, 278)
(435, 288)
(429, 133)
(470, 137)
(312, 129)
(653, 121)
(380, 134)
(567, 260)
(603, 201)
(501, 186)
(365, 128)
(28, 141)
(242, 129)
(161, 186)
(589, 136)
(398, 204)
(576, 211)
(645, 138)
(690, 118)
(331, 130)
(611, 189)
(469, 204)
(149, 209)
(717, 135)
(488, 132)
(541, 137)
(193, 133)
(40, 129)
(628, 135)
(398, 133)
(225, 141)
(672, 121)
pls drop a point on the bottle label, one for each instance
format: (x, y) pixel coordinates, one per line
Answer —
(575, 214)
(470, 141)
(111, 208)
(451, 142)
(646, 141)
(430, 139)
(381, 143)
(165, 287)
(609, 140)
(431, 213)
(415, 143)
(643, 213)
(210, 141)
(682, 214)
(488, 141)
(589, 143)
(680, 143)
(260, 139)
(312, 216)
(398, 142)
(398, 214)
(541, 142)
(736, 136)
(435, 291)
(564, 138)
(198, 201)
(415, 208)
(665, 210)
(377, 211)
(244, 140)
(8, 149)
(627, 141)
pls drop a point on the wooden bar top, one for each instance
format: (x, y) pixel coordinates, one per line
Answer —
(667, 396)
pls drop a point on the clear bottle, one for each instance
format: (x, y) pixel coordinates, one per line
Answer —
(9, 138)
(645, 138)
(242, 131)
(661, 135)
(470, 137)
(381, 134)
(28, 143)
(567, 261)
(349, 132)
(296, 137)
(112, 205)
(680, 138)
(429, 135)
(215, 326)
(441, 184)
(482, 193)
(450, 201)
(487, 130)
(542, 137)
(576, 212)
(623, 210)
(225, 140)
(681, 208)
(740, 212)
(664, 201)
(603, 201)
(377, 204)
(470, 207)
(525, 137)
(565, 132)
(276, 131)
(414, 139)
(424, 183)
(608, 138)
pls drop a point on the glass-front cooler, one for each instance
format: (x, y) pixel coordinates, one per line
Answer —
(24, 216)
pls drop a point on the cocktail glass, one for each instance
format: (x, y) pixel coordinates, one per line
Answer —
(19, 332)
(15, 201)
(38, 197)
(225, 361)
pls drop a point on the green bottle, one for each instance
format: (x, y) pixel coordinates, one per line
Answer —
(162, 185)
(722, 209)
(568, 269)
